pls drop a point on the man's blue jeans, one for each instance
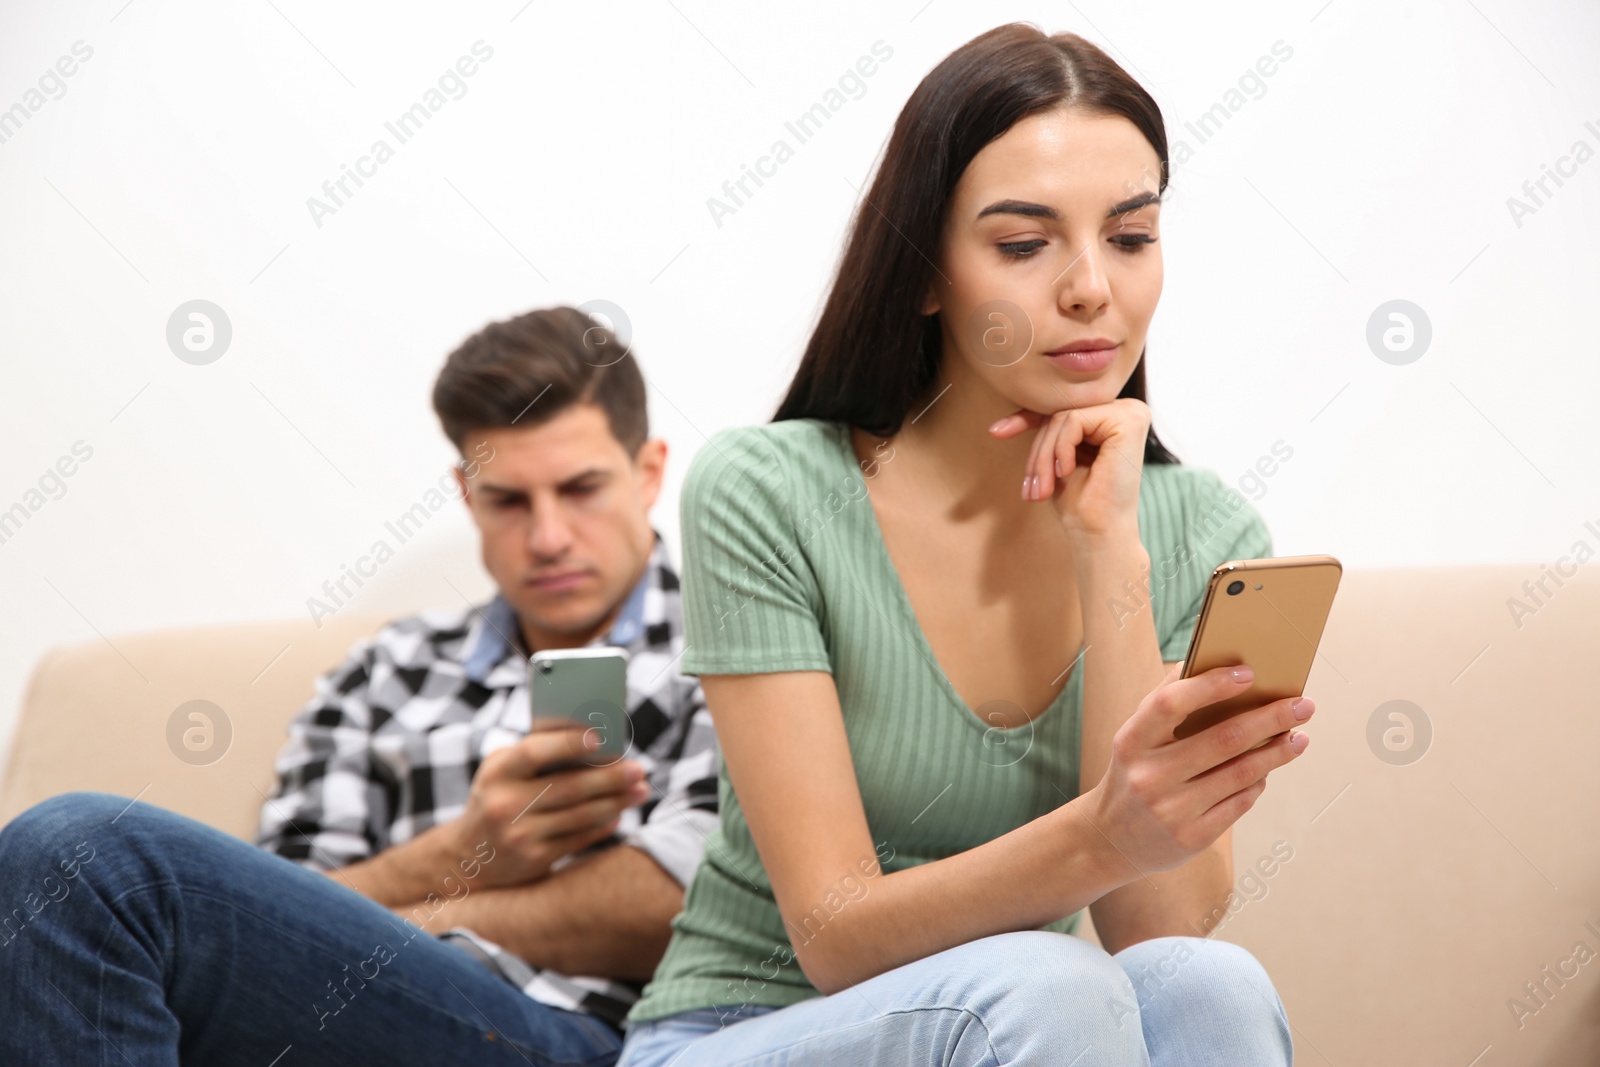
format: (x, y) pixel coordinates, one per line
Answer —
(1033, 998)
(131, 935)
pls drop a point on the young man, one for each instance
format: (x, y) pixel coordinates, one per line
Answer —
(413, 799)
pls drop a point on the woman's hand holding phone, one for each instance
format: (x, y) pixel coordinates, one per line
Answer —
(1162, 800)
(532, 816)
(1087, 460)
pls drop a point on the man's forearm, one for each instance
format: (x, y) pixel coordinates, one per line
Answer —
(436, 862)
(1123, 665)
(608, 914)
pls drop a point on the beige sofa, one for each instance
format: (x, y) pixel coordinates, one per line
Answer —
(1401, 908)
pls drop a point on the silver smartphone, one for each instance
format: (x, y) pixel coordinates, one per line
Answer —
(586, 686)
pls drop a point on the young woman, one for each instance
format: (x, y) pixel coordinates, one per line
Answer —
(945, 718)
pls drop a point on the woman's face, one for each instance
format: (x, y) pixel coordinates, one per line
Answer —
(1049, 241)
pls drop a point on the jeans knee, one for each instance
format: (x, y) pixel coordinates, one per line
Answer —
(1044, 981)
(43, 829)
(1040, 957)
(45, 848)
(1186, 968)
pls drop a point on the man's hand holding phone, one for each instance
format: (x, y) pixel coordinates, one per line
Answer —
(532, 815)
(1162, 799)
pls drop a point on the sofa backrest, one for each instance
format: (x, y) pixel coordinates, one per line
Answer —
(101, 718)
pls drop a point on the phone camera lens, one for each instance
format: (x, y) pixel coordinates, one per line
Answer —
(1235, 588)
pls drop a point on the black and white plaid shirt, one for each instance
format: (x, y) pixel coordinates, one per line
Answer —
(388, 745)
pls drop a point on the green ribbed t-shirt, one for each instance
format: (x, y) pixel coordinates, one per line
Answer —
(785, 569)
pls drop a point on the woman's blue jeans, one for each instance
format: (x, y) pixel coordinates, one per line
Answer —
(132, 935)
(1033, 998)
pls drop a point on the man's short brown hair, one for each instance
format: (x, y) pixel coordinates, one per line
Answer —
(530, 368)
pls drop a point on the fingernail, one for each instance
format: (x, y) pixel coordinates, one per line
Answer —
(1299, 740)
(1025, 482)
(1058, 466)
(999, 424)
(1033, 490)
(1243, 673)
(1303, 708)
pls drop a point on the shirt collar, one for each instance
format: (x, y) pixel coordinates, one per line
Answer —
(494, 641)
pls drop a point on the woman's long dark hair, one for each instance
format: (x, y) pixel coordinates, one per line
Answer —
(873, 353)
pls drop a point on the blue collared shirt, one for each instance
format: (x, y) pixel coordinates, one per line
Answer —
(494, 638)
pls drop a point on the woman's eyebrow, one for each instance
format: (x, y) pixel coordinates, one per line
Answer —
(1142, 200)
(1044, 211)
(1019, 207)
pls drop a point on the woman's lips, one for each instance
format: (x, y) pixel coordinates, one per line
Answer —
(1095, 359)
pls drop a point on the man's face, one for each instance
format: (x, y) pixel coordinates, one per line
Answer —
(564, 513)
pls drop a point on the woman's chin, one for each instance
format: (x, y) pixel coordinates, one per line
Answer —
(1062, 395)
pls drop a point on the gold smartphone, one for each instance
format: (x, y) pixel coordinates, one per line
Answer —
(1268, 613)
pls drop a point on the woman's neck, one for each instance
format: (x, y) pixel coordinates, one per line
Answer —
(946, 433)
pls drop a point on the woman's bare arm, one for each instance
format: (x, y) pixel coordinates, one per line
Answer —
(1123, 665)
(783, 738)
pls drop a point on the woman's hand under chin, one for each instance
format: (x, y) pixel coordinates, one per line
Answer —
(1088, 462)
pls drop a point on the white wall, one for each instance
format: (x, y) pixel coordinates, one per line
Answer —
(177, 163)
